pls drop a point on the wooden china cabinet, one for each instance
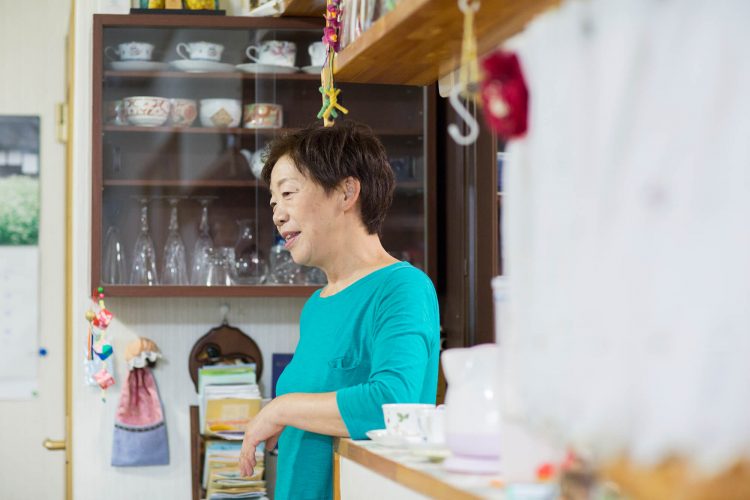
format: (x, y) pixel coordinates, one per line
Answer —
(139, 171)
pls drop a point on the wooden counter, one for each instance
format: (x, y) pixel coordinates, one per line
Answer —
(399, 469)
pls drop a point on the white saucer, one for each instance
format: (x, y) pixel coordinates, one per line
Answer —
(312, 69)
(382, 437)
(196, 66)
(266, 68)
(138, 65)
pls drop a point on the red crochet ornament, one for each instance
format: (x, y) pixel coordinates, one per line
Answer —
(505, 97)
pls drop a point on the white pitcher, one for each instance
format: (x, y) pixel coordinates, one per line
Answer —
(472, 414)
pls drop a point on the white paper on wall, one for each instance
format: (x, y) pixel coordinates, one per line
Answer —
(19, 321)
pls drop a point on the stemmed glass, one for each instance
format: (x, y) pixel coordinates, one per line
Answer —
(203, 245)
(114, 267)
(143, 271)
(174, 271)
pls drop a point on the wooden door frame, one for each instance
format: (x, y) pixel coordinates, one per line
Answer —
(468, 237)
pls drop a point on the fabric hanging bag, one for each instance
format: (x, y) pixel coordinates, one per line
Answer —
(140, 434)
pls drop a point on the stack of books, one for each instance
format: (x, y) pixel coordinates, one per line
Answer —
(221, 474)
(228, 398)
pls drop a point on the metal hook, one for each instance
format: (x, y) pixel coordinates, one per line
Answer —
(224, 313)
(465, 6)
(471, 123)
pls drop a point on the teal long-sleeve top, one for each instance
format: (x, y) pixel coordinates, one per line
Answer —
(374, 342)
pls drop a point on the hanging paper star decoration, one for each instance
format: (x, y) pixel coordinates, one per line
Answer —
(330, 103)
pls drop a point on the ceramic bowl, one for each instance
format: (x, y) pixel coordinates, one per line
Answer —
(183, 112)
(220, 113)
(263, 115)
(146, 111)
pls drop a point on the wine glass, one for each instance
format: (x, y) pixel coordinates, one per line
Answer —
(174, 270)
(143, 271)
(114, 267)
(203, 244)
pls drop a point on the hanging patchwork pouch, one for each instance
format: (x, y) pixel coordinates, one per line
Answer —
(140, 436)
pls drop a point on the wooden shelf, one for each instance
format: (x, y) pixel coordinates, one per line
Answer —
(112, 74)
(208, 183)
(420, 40)
(211, 291)
(195, 130)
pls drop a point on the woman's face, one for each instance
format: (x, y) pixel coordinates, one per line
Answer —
(303, 213)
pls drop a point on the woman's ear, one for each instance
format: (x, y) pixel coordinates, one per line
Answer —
(351, 188)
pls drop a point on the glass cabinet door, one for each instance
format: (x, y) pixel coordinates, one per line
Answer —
(183, 108)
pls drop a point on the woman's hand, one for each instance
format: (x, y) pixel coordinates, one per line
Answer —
(264, 427)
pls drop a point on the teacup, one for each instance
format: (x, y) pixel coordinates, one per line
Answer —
(130, 51)
(402, 420)
(432, 425)
(183, 112)
(276, 52)
(200, 51)
(263, 115)
(220, 113)
(317, 51)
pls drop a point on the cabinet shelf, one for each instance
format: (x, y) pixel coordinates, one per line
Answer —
(113, 74)
(195, 130)
(211, 291)
(208, 183)
(240, 131)
(426, 36)
(131, 161)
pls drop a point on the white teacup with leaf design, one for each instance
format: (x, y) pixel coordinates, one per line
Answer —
(402, 420)
(130, 51)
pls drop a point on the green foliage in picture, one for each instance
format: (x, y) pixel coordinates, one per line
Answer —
(19, 210)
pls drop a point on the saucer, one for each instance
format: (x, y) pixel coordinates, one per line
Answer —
(266, 68)
(138, 65)
(196, 66)
(382, 437)
(313, 70)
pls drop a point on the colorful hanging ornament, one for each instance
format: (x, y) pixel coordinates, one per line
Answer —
(99, 318)
(505, 97)
(329, 93)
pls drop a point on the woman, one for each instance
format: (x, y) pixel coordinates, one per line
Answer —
(370, 336)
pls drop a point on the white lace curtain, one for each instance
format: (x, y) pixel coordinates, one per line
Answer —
(627, 230)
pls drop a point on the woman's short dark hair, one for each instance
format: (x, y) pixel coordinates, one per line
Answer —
(328, 155)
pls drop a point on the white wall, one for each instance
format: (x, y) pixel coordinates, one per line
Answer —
(32, 65)
(175, 324)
